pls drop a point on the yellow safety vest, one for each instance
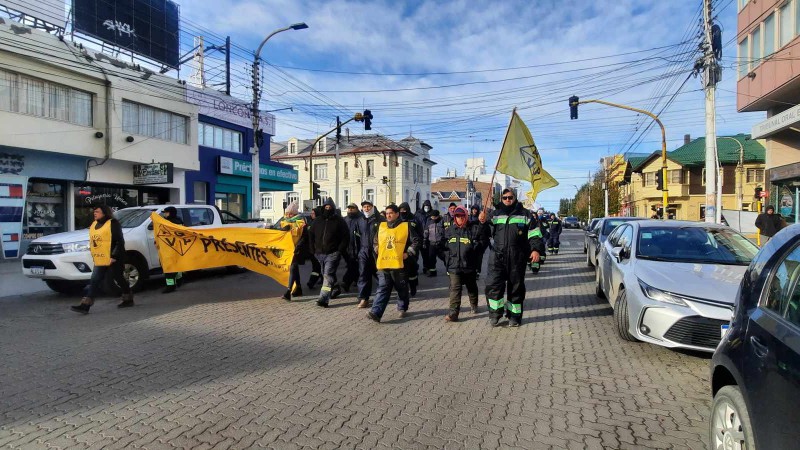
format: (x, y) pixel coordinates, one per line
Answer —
(391, 245)
(296, 229)
(100, 243)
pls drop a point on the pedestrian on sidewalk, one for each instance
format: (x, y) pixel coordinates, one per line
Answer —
(462, 244)
(329, 238)
(396, 244)
(107, 246)
(768, 224)
(172, 279)
(368, 226)
(517, 240)
(297, 225)
(433, 234)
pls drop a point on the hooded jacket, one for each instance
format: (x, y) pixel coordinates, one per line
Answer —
(515, 231)
(463, 247)
(409, 217)
(422, 216)
(329, 232)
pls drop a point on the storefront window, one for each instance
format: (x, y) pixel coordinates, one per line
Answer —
(233, 203)
(45, 209)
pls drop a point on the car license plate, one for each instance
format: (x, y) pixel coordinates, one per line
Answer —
(37, 270)
(723, 330)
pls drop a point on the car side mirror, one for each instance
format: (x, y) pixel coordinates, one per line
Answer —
(592, 235)
(150, 227)
(618, 253)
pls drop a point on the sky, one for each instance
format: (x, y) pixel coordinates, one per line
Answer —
(451, 72)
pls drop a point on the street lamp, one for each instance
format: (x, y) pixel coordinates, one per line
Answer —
(256, 166)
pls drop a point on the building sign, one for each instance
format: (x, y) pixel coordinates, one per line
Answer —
(238, 167)
(784, 172)
(223, 107)
(157, 173)
(53, 12)
(776, 123)
(147, 27)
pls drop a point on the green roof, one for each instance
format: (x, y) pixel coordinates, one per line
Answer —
(637, 161)
(694, 153)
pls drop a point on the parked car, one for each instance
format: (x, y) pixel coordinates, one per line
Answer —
(755, 370)
(599, 234)
(672, 283)
(589, 227)
(63, 260)
(572, 222)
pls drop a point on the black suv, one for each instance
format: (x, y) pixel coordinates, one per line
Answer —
(755, 371)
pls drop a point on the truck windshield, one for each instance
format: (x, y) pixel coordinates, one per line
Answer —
(132, 218)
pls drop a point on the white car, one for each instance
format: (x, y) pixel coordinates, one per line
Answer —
(64, 263)
(672, 283)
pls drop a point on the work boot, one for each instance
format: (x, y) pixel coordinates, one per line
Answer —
(287, 295)
(336, 292)
(412, 286)
(312, 280)
(83, 307)
(373, 317)
(363, 303)
(403, 314)
(473, 309)
(168, 289)
(432, 273)
(452, 316)
(127, 300)
(494, 320)
(322, 303)
(297, 292)
(514, 322)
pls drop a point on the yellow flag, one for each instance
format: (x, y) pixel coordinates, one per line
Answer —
(181, 249)
(519, 157)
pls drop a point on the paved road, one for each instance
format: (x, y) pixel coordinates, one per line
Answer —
(224, 363)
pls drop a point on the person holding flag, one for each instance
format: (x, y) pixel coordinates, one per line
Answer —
(172, 279)
(297, 225)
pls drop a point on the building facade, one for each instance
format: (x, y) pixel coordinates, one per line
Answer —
(769, 81)
(370, 167)
(742, 172)
(78, 128)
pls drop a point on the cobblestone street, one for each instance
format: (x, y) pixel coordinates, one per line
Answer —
(225, 363)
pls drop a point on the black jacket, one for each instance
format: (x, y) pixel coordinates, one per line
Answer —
(353, 230)
(768, 225)
(367, 226)
(463, 247)
(421, 216)
(516, 232)
(329, 233)
(555, 227)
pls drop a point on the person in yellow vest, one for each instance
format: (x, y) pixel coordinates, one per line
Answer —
(295, 223)
(395, 243)
(107, 245)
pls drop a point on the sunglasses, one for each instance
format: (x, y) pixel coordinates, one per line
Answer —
(508, 197)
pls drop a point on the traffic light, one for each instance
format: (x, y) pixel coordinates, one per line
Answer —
(367, 119)
(660, 180)
(758, 193)
(315, 191)
(573, 107)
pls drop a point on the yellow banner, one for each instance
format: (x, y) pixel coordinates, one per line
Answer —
(519, 157)
(268, 252)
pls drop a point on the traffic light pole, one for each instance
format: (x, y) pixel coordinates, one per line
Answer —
(665, 192)
(356, 117)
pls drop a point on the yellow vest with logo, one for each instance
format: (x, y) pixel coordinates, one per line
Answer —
(100, 243)
(391, 245)
(296, 228)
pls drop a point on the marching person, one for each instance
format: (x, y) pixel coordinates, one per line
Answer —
(474, 211)
(368, 226)
(554, 232)
(395, 243)
(433, 233)
(462, 244)
(352, 219)
(544, 227)
(329, 238)
(173, 280)
(768, 223)
(107, 246)
(296, 224)
(448, 216)
(422, 216)
(480, 250)
(411, 267)
(517, 239)
(316, 268)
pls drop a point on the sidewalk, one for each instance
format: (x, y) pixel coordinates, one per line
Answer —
(13, 282)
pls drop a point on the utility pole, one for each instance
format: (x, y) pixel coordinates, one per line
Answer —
(338, 137)
(711, 75)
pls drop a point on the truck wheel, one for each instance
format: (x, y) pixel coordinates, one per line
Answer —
(66, 287)
(136, 272)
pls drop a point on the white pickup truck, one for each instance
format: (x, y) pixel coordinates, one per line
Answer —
(64, 263)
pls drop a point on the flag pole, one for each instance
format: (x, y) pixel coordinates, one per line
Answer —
(497, 164)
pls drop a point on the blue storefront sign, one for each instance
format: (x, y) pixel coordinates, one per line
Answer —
(238, 167)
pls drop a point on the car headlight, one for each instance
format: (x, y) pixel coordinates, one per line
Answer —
(82, 246)
(661, 296)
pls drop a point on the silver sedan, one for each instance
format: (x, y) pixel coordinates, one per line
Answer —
(672, 283)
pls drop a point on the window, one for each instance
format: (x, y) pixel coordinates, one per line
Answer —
(742, 3)
(219, 138)
(675, 176)
(650, 179)
(323, 195)
(755, 175)
(292, 197)
(320, 171)
(370, 168)
(787, 31)
(346, 170)
(200, 192)
(321, 146)
(292, 148)
(346, 196)
(744, 57)
(703, 177)
(406, 170)
(407, 198)
(266, 201)
(198, 216)
(427, 175)
(783, 295)
(769, 35)
(755, 46)
(26, 95)
(369, 194)
(151, 122)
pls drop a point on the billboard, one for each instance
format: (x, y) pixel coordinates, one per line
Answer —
(224, 107)
(51, 11)
(146, 27)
